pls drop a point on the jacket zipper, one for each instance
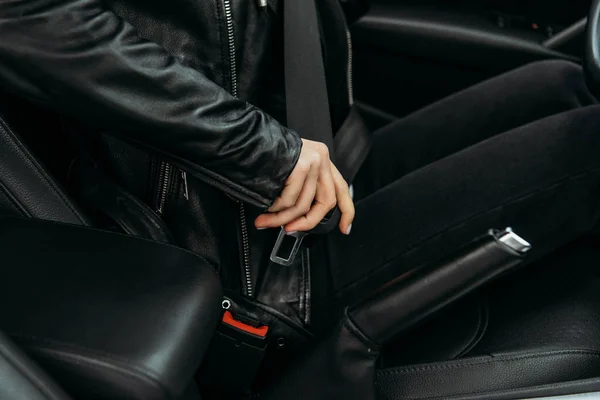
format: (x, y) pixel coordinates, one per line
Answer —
(246, 270)
(163, 183)
(349, 69)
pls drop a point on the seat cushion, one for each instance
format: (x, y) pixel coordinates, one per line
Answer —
(536, 327)
(108, 316)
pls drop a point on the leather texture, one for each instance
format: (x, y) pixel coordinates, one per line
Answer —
(88, 62)
(486, 374)
(108, 316)
(531, 333)
(345, 360)
(176, 80)
(21, 379)
(100, 194)
(208, 222)
(26, 188)
(342, 366)
(416, 295)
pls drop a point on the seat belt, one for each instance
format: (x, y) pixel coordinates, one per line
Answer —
(306, 91)
(307, 106)
(307, 101)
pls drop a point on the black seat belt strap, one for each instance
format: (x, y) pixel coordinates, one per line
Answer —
(307, 106)
(305, 85)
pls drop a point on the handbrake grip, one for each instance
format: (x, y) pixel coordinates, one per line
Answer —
(412, 297)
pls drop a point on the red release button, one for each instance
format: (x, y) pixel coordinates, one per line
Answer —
(229, 320)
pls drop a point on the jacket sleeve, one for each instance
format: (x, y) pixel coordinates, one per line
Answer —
(82, 59)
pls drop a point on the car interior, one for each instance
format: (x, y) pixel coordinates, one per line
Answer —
(89, 309)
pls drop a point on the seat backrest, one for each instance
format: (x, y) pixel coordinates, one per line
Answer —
(21, 379)
(26, 188)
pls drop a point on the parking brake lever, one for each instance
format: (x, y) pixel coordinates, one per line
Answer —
(287, 244)
(402, 303)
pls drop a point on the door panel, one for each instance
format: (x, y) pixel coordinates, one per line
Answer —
(410, 53)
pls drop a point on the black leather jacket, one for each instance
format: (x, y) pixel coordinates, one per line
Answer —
(180, 87)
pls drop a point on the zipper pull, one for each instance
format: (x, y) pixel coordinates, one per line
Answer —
(262, 3)
(186, 193)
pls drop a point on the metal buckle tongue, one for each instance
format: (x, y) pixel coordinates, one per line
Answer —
(284, 254)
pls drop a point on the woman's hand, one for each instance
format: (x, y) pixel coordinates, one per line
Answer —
(314, 187)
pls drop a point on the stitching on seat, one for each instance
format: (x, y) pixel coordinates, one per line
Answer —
(505, 391)
(459, 364)
(38, 170)
(65, 355)
(484, 320)
(502, 391)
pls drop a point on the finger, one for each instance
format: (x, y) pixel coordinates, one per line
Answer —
(324, 201)
(293, 187)
(310, 220)
(344, 201)
(302, 206)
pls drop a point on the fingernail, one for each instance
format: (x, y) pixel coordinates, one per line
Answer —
(261, 229)
(349, 229)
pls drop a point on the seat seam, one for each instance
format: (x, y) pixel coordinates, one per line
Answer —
(172, 246)
(480, 332)
(474, 336)
(556, 385)
(467, 220)
(459, 364)
(26, 373)
(73, 359)
(14, 201)
(67, 356)
(39, 171)
(500, 391)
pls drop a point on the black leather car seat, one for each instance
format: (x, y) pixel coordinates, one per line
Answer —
(21, 379)
(532, 333)
(26, 188)
(74, 308)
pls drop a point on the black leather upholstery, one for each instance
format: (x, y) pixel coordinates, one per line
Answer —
(418, 294)
(108, 316)
(21, 379)
(539, 327)
(342, 365)
(26, 188)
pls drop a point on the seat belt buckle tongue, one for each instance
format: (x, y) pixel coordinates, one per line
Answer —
(286, 247)
(287, 244)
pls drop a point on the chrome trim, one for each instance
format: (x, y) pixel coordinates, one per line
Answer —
(513, 241)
